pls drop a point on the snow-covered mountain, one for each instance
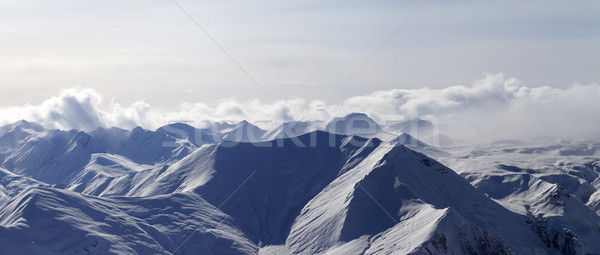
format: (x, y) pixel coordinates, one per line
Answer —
(184, 190)
(54, 221)
(421, 129)
(243, 132)
(354, 124)
(415, 127)
(290, 129)
(48, 156)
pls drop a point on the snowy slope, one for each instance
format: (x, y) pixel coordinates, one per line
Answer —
(150, 147)
(290, 129)
(57, 156)
(215, 171)
(111, 138)
(52, 156)
(552, 183)
(107, 165)
(184, 175)
(411, 191)
(51, 221)
(11, 185)
(280, 182)
(14, 134)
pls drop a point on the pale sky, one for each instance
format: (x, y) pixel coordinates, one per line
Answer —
(149, 50)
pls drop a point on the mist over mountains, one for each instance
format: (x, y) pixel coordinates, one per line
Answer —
(495, 107)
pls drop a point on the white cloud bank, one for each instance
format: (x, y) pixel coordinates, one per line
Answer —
(494, 107)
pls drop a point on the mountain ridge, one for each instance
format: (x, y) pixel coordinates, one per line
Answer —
(318, 192)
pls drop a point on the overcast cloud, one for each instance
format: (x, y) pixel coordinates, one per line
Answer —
(134, 49)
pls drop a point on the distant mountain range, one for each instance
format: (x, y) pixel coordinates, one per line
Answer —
(350, 186)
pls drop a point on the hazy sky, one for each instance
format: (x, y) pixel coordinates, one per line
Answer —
(149, 50)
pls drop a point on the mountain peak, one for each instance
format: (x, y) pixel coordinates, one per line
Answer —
(179, 125)
(413, 126)
(355, 114)
(244, 123)
(408, 140)
(25, 125)
(244, 132)
(354, 124)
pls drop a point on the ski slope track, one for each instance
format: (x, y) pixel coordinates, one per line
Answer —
(350, 186)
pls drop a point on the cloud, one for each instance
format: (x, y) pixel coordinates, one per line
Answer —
(71, 109)
(493, 107)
